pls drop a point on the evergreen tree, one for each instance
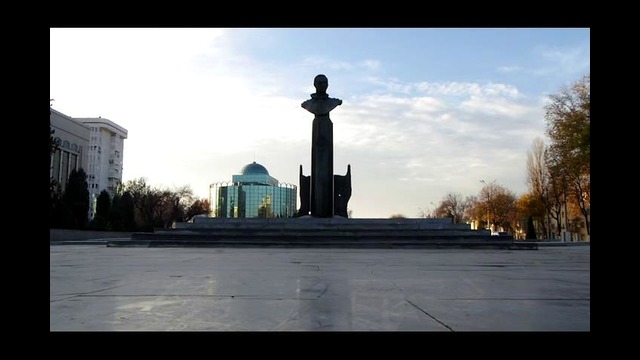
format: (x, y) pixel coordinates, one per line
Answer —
(127, 209)
(122, 213)
(531, 230)
(115, 214)
(103, 205)
(76, 197)
(59, 215)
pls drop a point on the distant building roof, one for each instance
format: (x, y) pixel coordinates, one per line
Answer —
(253, 169)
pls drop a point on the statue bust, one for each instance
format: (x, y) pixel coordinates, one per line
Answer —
(320, 102)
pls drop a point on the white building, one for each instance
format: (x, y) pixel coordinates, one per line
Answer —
(104, 157)
(72, 137)
(94, 144)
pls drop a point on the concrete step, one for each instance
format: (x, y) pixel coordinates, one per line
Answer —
(315, 236)
(306, 223)
(320, 232)
(372, 244)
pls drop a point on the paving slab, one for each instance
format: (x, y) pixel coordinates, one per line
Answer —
(99, 288)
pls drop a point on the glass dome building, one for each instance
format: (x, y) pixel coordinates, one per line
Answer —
(253, 194)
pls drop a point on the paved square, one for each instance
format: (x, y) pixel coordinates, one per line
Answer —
(93, 287)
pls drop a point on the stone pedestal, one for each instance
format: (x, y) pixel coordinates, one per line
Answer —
(322, 167)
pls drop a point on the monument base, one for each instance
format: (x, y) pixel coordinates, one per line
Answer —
(335, 232)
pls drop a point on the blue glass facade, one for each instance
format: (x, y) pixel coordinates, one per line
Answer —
(253, 194)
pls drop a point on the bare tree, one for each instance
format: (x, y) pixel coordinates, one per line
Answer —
(173, 205)
(473, 211)
(426, 213)
(452, 206)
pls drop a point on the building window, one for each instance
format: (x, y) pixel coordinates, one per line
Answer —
(73, 161)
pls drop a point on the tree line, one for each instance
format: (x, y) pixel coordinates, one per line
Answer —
(558, 178)
(134, 206)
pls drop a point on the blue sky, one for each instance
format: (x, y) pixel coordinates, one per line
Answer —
(425, 111)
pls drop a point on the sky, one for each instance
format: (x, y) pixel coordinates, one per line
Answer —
(425, 111)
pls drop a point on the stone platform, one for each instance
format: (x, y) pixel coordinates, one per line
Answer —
(334, 232)
(95, 288)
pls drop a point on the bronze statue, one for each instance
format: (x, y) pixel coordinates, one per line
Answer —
(320, 102)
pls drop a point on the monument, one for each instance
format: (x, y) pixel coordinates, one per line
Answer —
(323, 194)
(324, 199)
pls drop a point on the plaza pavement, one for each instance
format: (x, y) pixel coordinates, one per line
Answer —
(99, 288)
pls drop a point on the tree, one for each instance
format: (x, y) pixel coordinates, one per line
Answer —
(499, 205)
(397, 216)
(173, 206)
(473, 210)
(146, 201)
(557, 191)
(181, 200)
(53, 142)
(127, 209)
(115, 217)
(55, 191)
(531, 231)
(122, 212)
(198, 207)
(59, 214)
(568, 117)
(531, 208)
(103, 207)
(452, 206)
(504, 210)
(103, 204)
(538, 180)
(156, 207)
(427, 214)
(76, 197)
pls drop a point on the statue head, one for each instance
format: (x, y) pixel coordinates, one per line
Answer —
(321, 84)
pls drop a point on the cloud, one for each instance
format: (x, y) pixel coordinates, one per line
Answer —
(450, 89)
(510, 69)
(567, 60)
(468, 89)
(321, 62)
(371, 64)
(483, 105)
(554, 61)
